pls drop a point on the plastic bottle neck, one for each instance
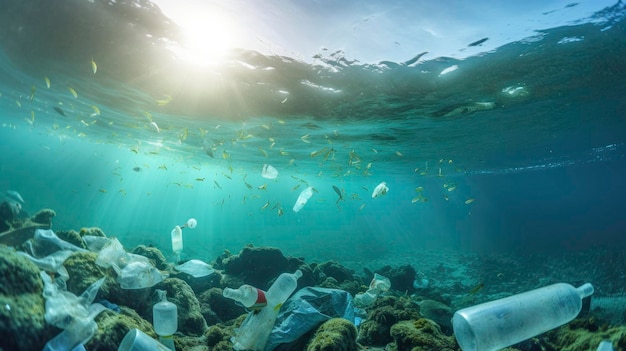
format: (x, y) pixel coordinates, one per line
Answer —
(585, 290)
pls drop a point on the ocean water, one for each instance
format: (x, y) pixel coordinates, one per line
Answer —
(512, 151)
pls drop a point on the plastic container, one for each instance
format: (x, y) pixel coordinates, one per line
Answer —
(497, 324)
(605, 345)
(136, 340)
(248, 296)
(282, 288)
(164, 315)
(303, 198)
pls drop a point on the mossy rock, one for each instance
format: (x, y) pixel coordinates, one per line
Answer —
(421, 335)
(385, 312)
(336, 334)
(22, 306)
(584, 334)
(112, 327)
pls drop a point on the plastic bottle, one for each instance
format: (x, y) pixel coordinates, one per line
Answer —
(165, 319)
(605, 345)
(248, 296)
(257, 327)
(177, 241)
(497, 324)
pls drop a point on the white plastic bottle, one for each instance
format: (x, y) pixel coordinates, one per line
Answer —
(248, 296)
(257, 327)
(165, 320)
(177, 241)
(497, 324)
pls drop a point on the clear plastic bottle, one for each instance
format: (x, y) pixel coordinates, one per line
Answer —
(282, 288)
(177, 241)
(247, 295)
(165, 320)
(497, 324)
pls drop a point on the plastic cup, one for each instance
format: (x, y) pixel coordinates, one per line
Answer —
(136, 340)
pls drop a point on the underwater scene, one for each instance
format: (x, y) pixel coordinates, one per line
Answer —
(206, 175)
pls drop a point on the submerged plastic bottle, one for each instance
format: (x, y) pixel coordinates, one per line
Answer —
(257, 327)
(165, 319)
(497, 324)
(247, 295)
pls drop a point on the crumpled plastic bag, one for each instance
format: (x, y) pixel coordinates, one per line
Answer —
(305, 310)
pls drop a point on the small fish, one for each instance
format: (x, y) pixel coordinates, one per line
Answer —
(398, 153)
(469, 201)
(32, 93)
(200, 179)
(103, 191)
(94, 66)
(451, 188)
(296, 187)
(217, 184)
(96, 110)
(47, 80)
(305, 138)
(74, 93)
(163, 167)
(419, 189)
(315, 153)
(361, 207)
(266, 205)
(122, 191)
(338, 191)
(165, 101)
(248, 185)
(18, 103)
(155, 127)
(476, 289)
(280, 211)
(263, 187)
(225, 155)
(416, 199)
(137, 169)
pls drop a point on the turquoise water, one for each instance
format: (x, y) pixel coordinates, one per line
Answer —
(517, 149)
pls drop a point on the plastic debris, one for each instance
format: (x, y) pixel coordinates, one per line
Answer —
(605, 345)
(196, 268)
(269, 172)
(305, 195)
(381, 189)
(138, 275)
(46, 238)
(378, 285)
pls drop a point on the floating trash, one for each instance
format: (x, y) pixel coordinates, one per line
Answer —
(305, 195)
(381, 189)
(269, 172)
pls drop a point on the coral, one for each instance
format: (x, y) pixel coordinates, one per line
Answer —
(112, 327)
(22, 306)
(336, 334)
(43, 217)
(584, 334)
(190, 320)
(154, 255)
(385, 312)
(401, 277)
(421, 335)
(334, 270)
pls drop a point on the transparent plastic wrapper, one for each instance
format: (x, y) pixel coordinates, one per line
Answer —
(113, 254)
(497, 324)
(52, 263)
(269, 172)
(46, 241)
(138, 275)
(256, 328)
(380, 189)
(303, 198)
(378, 285)
(196, 268)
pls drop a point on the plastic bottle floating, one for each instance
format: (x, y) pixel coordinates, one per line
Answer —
(269, 172)
(381, 189)
(177, 236)
(305, 195)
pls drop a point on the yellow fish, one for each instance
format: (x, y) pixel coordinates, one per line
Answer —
(47, 82)
(32, 93)
(96, 110)
(74, 93)
(469, 201)
(165, 101)
(94, 67)
(263, 187)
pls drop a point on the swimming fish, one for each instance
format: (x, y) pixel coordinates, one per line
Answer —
(47, 82)
(137, 169)
(94, 67)
(74, 93)
(469, 201)
(476, 289)
(59, 111)
(338, 191)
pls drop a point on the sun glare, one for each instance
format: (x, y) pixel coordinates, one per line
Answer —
(208, 35)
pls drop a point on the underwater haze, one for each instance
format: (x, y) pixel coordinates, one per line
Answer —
(514, 148)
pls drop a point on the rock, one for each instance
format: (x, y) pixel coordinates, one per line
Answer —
(439, 312)
(190, 319)
(584, 334)
(154, 255)
(336, 334)
(401, 278)
(334, 270)
(43, 217)
(22, 306)
(112, 327)
(384, 313)
(93, 231)
(72, 237)
(259, 266)
(421, 334)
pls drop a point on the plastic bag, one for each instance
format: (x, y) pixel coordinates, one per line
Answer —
(305, 310)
